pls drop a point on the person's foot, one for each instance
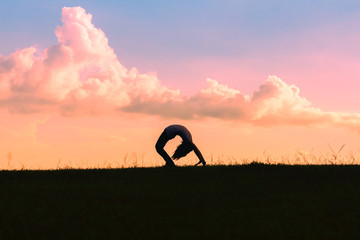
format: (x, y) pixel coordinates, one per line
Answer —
(169, 165)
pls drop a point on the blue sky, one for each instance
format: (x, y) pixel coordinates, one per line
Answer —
(179, 25)
(172, 37)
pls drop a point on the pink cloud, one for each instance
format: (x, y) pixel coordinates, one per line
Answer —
(81, 74)
(274, 103)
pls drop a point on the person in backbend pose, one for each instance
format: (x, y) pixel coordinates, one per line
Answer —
(182, 150)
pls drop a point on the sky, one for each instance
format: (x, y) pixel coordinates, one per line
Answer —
(90, 83)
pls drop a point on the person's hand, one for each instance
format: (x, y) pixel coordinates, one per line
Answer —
(203, 162)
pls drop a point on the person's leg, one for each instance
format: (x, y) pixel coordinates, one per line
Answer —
(160, 144)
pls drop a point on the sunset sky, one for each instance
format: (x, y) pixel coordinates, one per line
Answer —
(85, 83)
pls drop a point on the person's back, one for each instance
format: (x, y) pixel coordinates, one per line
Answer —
(174, 130)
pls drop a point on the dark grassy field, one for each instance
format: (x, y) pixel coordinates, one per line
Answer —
(217, 202)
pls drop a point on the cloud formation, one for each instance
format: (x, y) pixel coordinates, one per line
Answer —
(81, 74)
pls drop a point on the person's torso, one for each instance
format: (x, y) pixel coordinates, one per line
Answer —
(174, 130)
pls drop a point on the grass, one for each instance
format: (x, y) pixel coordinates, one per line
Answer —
(253, 201)
(136, 160)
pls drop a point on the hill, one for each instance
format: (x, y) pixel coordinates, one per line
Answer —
(215, 202)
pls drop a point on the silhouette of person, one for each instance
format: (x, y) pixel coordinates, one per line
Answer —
(182, 150)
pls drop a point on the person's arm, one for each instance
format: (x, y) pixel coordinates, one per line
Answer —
(199, 155)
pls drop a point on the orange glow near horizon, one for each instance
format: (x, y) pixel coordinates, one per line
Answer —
(41, 142)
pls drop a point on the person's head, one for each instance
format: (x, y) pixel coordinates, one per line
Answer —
(182, 150)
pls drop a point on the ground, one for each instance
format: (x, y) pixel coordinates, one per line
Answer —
(253, 201)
